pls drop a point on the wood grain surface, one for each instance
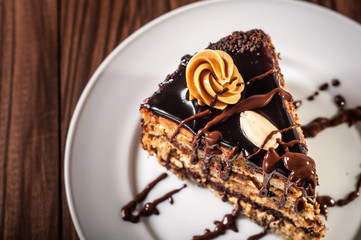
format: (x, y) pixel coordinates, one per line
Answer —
(48, 51)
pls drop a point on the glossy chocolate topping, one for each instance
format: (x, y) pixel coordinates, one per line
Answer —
(256, 63)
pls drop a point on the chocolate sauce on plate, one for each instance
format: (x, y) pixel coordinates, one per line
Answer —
(323, 87)
(340, 102)
(149, 208)
(349, 116)
(313, 96)
(335, 82)
(228, 222)
(327, 201)
(297, 104)
(261, 234)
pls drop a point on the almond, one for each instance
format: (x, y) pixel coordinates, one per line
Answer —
(257, 128)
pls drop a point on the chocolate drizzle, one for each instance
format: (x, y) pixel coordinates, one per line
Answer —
(327, 201)
(259, 77)
(224, 90)
(303, 169)
(212, 140)
(263, 233)
(228, 222)
(303, 173)
(226, 170)
(349, 116)
(269, 137)
(313, 96)
(340, 102)
(195, 116)
(250, 103)
(335, 82)
(149, 208)
(323, 87)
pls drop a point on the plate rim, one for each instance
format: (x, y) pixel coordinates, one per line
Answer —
(119, 48)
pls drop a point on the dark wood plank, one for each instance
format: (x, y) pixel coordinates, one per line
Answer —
(29, 120)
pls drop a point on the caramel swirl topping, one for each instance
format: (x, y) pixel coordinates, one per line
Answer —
(213, 79)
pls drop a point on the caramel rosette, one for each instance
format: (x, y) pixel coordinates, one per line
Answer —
(213, 79)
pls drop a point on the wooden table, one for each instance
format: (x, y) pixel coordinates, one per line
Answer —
(48, 51)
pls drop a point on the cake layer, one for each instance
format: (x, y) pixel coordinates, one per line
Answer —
(242, 185)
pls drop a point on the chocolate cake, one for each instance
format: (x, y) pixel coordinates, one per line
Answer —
(224, 120)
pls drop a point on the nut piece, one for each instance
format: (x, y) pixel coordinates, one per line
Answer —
(257, 128)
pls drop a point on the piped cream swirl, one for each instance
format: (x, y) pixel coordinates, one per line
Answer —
(213, 79)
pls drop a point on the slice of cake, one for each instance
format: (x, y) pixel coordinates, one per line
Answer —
(224, 120)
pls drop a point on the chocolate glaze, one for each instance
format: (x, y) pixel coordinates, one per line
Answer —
(228, 222)
(253, 57)
(149, 208)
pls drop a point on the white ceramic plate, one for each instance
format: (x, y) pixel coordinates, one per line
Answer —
(105, 167)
